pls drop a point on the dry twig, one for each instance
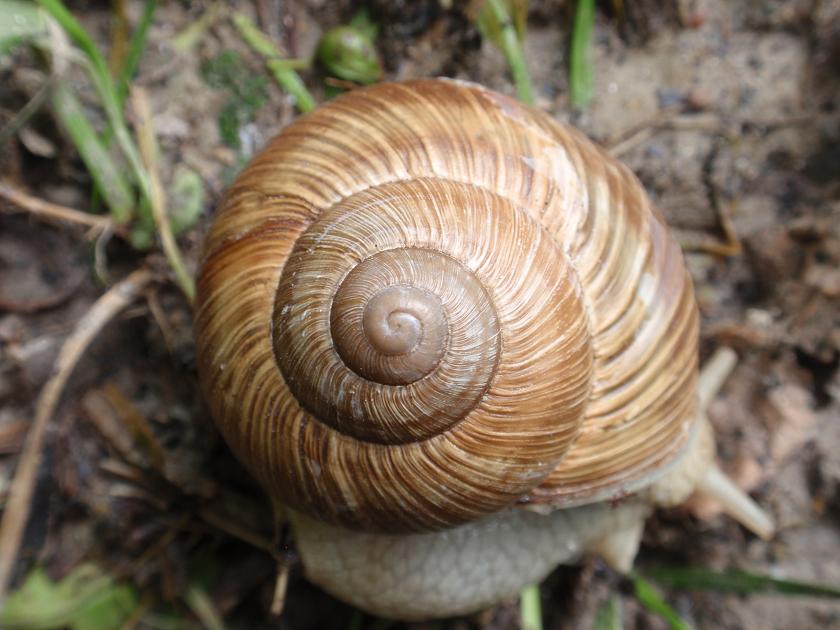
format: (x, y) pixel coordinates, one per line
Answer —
(729, 246)
(16, 513)
(281, 583)
(224, 524)
(146, 142)
(52, 212)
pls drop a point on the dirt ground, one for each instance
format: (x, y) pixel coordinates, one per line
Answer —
(729, 112)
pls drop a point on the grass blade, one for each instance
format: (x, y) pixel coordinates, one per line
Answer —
(580, 62)
(285, 76)
(100, 164)
(25, 113)
(290, 81)
(737, 581)
(609, 615)
(21, 21)
(78, 34)
(104, 84)
(530, 609)
(495, 23)
(648, 597)
(187, 39)
(135, 49)
(203, 607)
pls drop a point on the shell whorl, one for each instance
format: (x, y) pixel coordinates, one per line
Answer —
(424, 302)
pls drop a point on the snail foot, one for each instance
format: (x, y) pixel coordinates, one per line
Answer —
(619, 544)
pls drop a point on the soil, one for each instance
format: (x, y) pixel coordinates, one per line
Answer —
(728, 112)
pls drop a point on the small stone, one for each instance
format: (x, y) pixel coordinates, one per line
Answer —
(698, 99)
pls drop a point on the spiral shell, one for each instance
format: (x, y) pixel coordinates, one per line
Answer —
(424, 302)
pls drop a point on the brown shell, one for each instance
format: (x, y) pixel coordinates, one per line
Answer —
(424, 302)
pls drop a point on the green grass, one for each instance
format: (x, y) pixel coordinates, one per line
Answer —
(580, 58)
(107, 90)
(530, 608)
(277, 65)
(135, 49)
(96, 157)
(104, 84)
(609, 614)
(649, 597)
(497, 23)
(127, 192)
(736, 581)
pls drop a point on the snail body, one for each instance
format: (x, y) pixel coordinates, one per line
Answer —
(424, 308)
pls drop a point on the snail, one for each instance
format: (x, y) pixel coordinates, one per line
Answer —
(455, 340)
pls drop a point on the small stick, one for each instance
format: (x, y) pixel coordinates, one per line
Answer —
(185, 40)
(146, 142)
(237, 530)
(710, 246)
(282, 555)
(636, 135)
(203, 607)
(16, 513)
(278, 601)
(25, 113)
(49, 211)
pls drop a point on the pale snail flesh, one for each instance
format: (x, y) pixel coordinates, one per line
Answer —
(449, 334)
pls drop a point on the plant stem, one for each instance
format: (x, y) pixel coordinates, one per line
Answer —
(530, 609)
(736, 581)
(648, 597)
(580, 66)
(511, 46)
(279, 67)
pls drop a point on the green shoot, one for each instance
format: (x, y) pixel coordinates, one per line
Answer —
(187, 39)
(279, 67)
(736, 581)
(647, 596)
(496, 25)
(135, 49)
(104, 84)
(530, 609)
(107, 177)
(609, 615)
(580, 63)
(203, 607)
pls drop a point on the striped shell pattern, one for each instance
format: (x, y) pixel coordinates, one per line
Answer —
(425, 302)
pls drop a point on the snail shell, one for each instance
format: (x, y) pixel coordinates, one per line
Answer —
(425, 302)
